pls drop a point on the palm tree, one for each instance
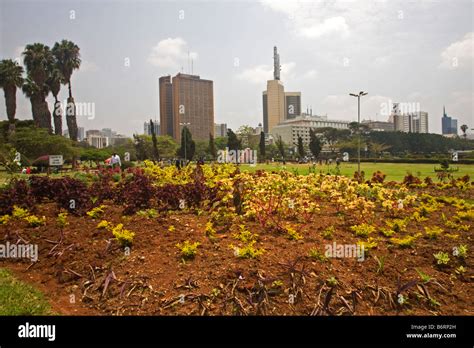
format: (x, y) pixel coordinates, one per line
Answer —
(464, 128)
(68, 59)
(33, 92)
(10, 79)
(38, 60)
(54, 83)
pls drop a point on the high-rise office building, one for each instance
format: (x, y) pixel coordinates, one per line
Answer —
(278, 106)
(166, 106)
(416, 122)
(220, 130)
(293, 104)
(186, 99)
(147, 128)
(449, 125)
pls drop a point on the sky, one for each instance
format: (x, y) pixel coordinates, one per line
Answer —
(416, 52)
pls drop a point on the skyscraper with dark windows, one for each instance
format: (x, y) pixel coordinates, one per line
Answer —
(449, 125)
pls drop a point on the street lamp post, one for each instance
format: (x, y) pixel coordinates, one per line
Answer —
(185, 124)
(361, 93)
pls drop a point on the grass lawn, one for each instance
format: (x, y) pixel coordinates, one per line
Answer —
(394, 171)
(18, 298)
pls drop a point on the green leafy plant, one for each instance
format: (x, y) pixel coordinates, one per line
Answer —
(96, 212)
(317, 255)
(328, 232)
(148, 213)
(363, 230)
(123, 236)
(34, 221)
(380, 264)
(19, 213)
(424, 277)
(188, 249)
(61, 220)
(433, 232)
(460, 251)
(248, 251)
(244, 235)
(405, 242)
(442, 259)
(332, 281)
(104, 224)
(292, 234)
(210, 231)
(4, 219)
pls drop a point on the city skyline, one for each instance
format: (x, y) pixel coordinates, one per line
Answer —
(423, 53)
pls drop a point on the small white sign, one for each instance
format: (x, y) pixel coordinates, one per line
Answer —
(56, 160)
(345, 157)
(455, 156)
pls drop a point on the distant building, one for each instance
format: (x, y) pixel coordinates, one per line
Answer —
(80, 133)
(278, 106)
(166, 106)
(97, 140)
(289, 130)
(117, 139)
(449, 125)
(416, 122)
(379, 126)
(220, 130)
(292, 104)
(107, 132)
(186, 99)
(147, 128)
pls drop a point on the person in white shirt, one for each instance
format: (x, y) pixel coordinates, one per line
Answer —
(115, 161)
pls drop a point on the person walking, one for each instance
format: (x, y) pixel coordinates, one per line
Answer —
(115, 161)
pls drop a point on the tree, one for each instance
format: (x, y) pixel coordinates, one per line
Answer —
(464, 129)
(212, 147)
(301, 151)
(233, 143)
(261, 146)
(68, 59)
(54, 83)
(245, 133)
(188, 146)
(10, 79)
(33, 142)
(140, 147)
(314, 144)
(155, 153)
(38, 60)
(281, 147)
(377, 148)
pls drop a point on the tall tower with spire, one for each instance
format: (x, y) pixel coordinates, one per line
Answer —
(276, 64)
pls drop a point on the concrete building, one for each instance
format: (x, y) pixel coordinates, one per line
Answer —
(274, 110)
(292, 104)
(416, 122)
(97, 140)
(186, 99)
(220, 130)
(147, 128)
(278, 105)
(449, 125)
(379, 126)
(166, 106)
(289, 130)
